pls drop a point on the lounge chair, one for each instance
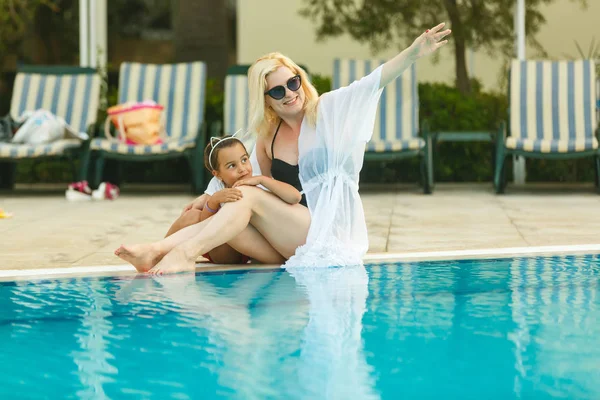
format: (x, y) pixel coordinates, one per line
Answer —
(181, 89)
(69, 92)
(551, 114)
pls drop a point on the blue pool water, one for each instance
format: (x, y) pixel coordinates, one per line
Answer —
(495, 329)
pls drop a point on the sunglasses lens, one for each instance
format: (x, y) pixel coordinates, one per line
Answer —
(278, 92)
(294, 83)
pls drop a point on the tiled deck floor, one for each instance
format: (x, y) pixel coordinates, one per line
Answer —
(49, 232)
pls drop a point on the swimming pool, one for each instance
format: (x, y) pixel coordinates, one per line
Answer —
(502, 328)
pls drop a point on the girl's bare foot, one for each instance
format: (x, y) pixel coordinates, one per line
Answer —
(175, 261)
(142, 256)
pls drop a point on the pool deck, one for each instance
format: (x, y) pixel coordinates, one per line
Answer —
(48, 232)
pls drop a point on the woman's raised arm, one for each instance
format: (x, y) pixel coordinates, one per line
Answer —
(424, 45)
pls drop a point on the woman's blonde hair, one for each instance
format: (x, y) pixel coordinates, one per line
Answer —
(263, 118)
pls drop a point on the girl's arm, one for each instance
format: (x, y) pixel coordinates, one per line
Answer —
(284, 191)
(205, 212)
(198, 203)
(214, 202)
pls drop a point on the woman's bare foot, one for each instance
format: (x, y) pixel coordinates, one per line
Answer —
(175, 261)
(142, 256)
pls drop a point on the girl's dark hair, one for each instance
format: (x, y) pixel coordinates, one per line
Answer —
(214, 157)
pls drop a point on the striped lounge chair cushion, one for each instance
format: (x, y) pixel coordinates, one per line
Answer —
(397, 145)
(180, 88)
(552, 146)
(552, 106)
(175, 145)
(236, 103)
(8, 150)
(397, 122)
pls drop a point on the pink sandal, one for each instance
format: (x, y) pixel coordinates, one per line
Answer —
(79, 191)
(106, 191)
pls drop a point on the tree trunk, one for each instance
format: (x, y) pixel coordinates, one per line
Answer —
(201, 34)
(463, 83)
(458, 37)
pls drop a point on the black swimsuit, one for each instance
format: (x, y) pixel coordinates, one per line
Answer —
(285, 172)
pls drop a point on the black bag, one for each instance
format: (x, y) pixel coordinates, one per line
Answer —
(8, 127)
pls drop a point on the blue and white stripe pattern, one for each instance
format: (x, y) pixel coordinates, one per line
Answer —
(550, 295)
(397, 122)
(57, 148)
(236, 104)
(74, 97)
(179, 88)
(598, 99)
(175, 145)
(552, 106)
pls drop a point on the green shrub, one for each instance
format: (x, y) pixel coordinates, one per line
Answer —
(321, 83)
(215, 99)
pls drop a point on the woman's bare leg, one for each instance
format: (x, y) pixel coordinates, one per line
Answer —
(283, 225)
(269, 214)
(248, 243)
(251, 242)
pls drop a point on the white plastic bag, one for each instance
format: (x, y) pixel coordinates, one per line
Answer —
(42, 126)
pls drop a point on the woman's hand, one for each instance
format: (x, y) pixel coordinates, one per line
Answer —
(253, 181)
(424, 45)
(429, 41)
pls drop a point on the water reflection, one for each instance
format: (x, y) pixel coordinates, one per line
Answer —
(525, 328)
(285, 335)
(93, 360)
(332, 362)
(241, 334)
(557, 335)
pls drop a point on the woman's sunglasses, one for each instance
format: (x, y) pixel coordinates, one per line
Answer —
(278, 92)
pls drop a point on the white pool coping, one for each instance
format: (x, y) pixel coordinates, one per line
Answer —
(508, 252)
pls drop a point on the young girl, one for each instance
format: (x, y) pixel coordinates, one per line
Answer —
(228, 161)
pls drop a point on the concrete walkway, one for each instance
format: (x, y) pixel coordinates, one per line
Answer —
(46, 231)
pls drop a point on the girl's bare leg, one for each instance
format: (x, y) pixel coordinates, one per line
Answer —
(283, 225)
(190, 217)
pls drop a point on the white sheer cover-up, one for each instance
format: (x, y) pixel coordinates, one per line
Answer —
(330, 160)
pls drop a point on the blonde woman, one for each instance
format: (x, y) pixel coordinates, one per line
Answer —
(314, 144)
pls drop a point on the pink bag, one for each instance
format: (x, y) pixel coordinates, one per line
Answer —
(136, 123)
